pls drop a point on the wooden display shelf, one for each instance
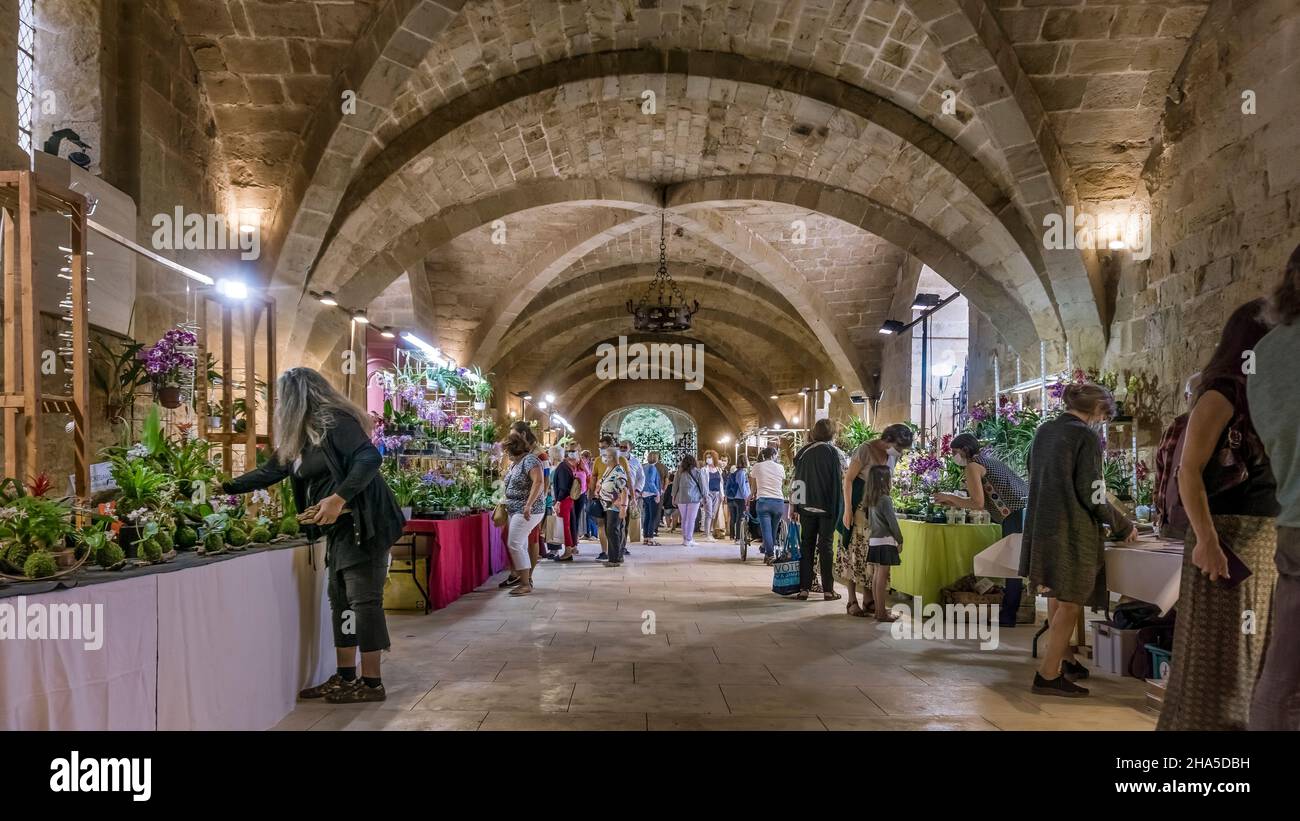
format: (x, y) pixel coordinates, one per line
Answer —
(251, 311)
(22, 195)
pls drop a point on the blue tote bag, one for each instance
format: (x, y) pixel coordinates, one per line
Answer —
(785, 569)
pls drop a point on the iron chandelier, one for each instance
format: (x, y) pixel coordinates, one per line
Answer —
(662, 308)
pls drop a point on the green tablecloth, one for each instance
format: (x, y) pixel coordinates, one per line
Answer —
(935, 556)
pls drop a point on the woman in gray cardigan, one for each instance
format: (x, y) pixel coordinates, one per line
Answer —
(690, 489)
(1063, 544)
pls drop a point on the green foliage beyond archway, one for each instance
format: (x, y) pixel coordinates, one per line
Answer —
(648, 429)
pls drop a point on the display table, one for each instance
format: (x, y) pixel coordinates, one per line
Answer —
(217, 644)
(1149, 571)
(464, 553)
(934, 556)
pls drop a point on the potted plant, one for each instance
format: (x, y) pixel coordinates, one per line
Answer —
(1144, 493)
(480, 387)
(119, 373)
(142, 488)
(34, 536)
(406, 487)
(165, 361)
(854, 432)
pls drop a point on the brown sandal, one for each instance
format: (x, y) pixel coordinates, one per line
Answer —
(855, 609)
(887, 618)
(831, 596)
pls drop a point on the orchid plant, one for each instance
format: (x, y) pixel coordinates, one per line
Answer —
(165, 360)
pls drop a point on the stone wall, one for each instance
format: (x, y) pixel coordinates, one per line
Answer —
(168, 155)
(1225, 194)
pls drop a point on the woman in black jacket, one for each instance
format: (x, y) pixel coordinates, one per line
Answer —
(323, 448)
(817, 498)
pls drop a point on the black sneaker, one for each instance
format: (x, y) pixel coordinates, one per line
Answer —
(1074, 670)
(511, 581)
(1059, 686)
(602, 557)
(357, 693)
(331, 685)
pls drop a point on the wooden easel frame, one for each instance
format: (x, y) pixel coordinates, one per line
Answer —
(250, 312)
(22, 195)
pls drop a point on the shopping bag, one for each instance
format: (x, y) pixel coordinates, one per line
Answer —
(785, 569)
(554, 530)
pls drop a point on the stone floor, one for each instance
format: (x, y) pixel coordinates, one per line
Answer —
(725, 654)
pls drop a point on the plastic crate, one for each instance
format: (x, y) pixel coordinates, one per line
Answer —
(1160, 661)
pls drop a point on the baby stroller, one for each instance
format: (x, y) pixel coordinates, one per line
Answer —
(750, 531)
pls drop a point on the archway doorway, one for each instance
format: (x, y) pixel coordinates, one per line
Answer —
(668, 430)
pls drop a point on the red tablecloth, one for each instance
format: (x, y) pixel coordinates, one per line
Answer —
(464, 553)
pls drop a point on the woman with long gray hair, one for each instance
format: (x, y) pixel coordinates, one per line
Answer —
(323, 448)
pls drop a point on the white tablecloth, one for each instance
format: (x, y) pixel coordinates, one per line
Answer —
(225, 645)
(1148, 571)
(1144, 573)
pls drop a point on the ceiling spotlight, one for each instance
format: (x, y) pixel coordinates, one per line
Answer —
(387, 333)
(795, 420)
(857, 399)
(327, 298)
(724, 440)
(833, 389)
(892, 326)
(232, 289)
(777, 426)
(773, 396)
(550, 397)
(923, 301)
(513, 414)
(525, 395)
(360, 317)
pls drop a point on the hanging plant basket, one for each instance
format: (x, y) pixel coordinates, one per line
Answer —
(169, 396)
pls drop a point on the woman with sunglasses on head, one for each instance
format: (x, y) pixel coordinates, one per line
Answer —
(994, 487)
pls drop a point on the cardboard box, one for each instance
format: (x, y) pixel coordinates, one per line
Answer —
(400, 592)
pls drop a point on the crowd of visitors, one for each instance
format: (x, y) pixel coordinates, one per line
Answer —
(1227, 481)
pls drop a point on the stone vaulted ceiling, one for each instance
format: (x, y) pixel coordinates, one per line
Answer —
(893, 131)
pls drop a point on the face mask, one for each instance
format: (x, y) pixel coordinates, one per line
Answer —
(960, 459)
(604, 457)
(571, 455)
(710, 461)
(611, 454)
(623, 451)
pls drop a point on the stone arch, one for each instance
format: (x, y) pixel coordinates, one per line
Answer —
(1022, 320)
(608, 322)
(589, 390)
(680, 419)
(942, 156)
(744, 384)
(742, 313)
(380, 63)
(979, 53)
